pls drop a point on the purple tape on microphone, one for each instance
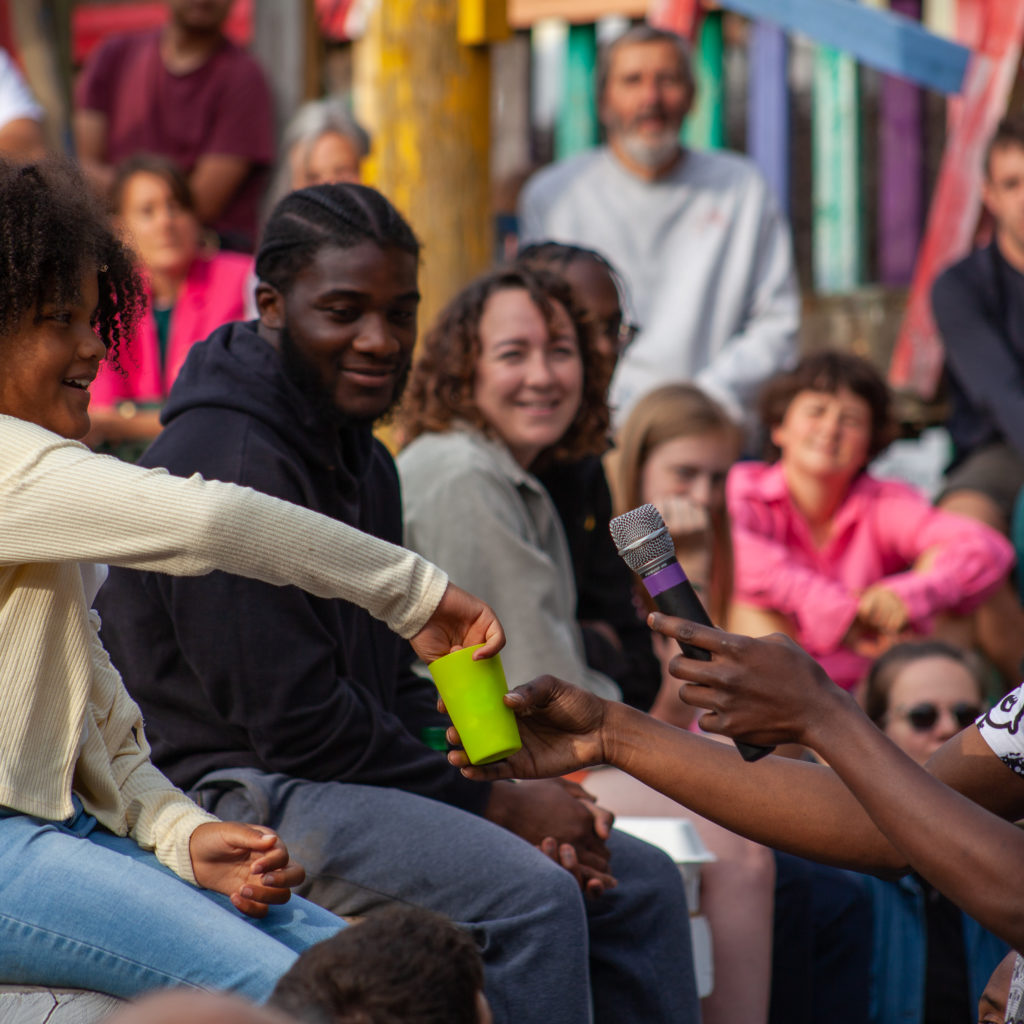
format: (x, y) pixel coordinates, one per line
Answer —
(664, 579)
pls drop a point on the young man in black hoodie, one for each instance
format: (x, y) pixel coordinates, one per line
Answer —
(306, 712)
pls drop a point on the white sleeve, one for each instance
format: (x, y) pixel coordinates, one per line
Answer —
(1002, 728)
(16, 99)
(75, 506)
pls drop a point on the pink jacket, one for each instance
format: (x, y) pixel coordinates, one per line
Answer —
(213, 294)
(878, 533)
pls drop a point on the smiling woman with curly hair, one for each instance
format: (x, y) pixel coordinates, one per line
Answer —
(509, 378)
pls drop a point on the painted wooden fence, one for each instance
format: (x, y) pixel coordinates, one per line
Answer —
(967, 50)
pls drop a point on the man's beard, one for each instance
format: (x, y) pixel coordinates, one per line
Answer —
(653, 153)
(306, 379)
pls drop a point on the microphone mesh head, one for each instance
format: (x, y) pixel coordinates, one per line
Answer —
(641, 537)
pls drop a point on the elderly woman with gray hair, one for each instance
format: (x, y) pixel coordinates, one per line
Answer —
(322, 144)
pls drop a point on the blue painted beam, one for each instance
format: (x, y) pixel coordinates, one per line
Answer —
(880, 39)
(768, 107)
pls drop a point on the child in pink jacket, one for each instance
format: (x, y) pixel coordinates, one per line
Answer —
(844, 563)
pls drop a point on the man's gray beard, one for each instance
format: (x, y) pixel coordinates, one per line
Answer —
(650, 153)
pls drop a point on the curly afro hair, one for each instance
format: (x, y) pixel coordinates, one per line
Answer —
(54, 231)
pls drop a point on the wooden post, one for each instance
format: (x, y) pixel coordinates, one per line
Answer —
(900, 171)
(768, 107)
(42, 35)
(426, 99)
(837, 240)
(705, 126)
(576, 127)
(288, 46)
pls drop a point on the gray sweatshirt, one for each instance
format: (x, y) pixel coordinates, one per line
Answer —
(707, 259)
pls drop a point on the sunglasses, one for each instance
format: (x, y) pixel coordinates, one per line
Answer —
(923, 717)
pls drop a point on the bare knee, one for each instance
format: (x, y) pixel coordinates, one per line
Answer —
(750, 620)
(975, 505)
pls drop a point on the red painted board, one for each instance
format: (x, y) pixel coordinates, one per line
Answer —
(679, 16)
(953, 218)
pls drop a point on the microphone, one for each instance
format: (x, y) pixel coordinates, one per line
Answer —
(645, 545)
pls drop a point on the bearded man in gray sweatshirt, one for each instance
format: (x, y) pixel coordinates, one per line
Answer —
(698, 237)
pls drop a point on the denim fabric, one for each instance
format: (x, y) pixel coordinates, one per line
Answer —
(83, 908)
(899, 964)
(549, 955)
(821, 955)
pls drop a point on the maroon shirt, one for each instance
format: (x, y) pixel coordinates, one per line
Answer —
(223, 108)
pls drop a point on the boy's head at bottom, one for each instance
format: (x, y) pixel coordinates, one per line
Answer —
(400, 965)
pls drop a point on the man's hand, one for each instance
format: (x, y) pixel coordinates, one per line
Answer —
(592, 882)
(561, 727)
(558, 810)
(460, 620)
(765, 691)
(247, 863)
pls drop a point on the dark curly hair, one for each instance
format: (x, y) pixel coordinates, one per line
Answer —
(54, 231)
(829, 371)
(405, 965)
(440, 390)
(344, 215)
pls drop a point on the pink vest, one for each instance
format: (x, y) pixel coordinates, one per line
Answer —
(213, 294)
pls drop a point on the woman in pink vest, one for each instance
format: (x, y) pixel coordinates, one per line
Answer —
(190, 291)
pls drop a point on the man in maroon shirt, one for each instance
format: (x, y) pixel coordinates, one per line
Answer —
(187, 92)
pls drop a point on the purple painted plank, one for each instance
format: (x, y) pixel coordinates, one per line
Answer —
(768, 107)
(901, 171)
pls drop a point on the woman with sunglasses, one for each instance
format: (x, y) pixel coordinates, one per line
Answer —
(930, 960)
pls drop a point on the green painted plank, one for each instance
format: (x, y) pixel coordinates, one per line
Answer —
(705, 127)
(837, 237)
(576, 128)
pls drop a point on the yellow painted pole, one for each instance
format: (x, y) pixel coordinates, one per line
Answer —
(426, 98)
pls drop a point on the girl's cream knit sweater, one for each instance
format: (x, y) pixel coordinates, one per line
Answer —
(66, 721)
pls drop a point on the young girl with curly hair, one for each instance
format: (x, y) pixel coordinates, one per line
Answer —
(111, 878)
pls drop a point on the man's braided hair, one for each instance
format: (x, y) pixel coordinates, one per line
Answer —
(343, 215)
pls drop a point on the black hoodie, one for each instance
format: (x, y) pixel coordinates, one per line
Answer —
(232, 672)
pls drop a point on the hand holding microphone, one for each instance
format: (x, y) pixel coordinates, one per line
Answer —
(645, 545)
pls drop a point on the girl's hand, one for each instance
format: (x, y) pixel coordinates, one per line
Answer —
(460, 620)
(882, 609)
(688, 522)
(247, 863)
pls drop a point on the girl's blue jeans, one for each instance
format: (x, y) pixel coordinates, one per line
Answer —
(83, 908)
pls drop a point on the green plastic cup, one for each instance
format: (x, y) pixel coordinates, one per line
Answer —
(472, 692)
